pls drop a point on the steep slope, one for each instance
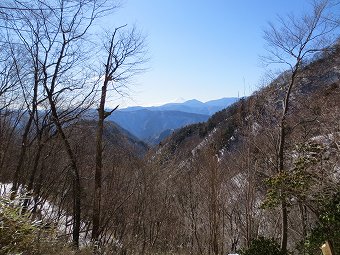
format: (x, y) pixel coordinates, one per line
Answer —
(222, 175)
(115, 137)
(316, 96)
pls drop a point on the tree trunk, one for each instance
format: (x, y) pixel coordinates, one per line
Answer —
(109, 71)
(284, 227)
(23, 148)
(98, 171)
(74, 171)
(281, 148)
(32, 176)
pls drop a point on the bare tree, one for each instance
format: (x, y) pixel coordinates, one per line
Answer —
(9, 96)
(293, 42)
(53, 36)
(9, 84)
(125, 56)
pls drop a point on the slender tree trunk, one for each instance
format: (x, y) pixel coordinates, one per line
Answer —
(281, 167)
(37, 189)
(284, 212)
(76, 187)
(74, 171)
(23, 148)
(284, 227)
(32, 176)
(110, 69)
(98, 171)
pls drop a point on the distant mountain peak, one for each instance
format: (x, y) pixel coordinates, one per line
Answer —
(193, 102)
(152, 124)
(179, 100)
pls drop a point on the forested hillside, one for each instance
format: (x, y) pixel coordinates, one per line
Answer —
(259, 177)
(223, 173)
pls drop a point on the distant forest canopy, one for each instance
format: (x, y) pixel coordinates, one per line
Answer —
(258, 177)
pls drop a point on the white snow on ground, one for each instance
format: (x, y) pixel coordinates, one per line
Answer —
(331, 142)
(51, 215)
(336, 173)
(5, 188)
(47, 213)
(325, 139)
(204, 142)
(239, 180)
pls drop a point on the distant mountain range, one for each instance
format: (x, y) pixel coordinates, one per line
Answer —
(191, 106)
(152, 124)
(147, 125)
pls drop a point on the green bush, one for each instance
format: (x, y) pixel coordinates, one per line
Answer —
(17, 233)
(328, 227)
(20, 235)
(263, 246)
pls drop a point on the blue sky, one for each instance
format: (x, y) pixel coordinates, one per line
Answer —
(198, 48)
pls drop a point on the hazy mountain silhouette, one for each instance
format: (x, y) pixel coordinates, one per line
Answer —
(146, 124)
(154, 123)
(191, 106)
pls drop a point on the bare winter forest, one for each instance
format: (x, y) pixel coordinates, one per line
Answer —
(259, 177)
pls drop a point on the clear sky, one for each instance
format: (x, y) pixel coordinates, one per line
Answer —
(198, 48)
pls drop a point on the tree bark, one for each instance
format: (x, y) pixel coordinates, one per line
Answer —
(74, 171)
(15, 186)
(281, 167)
(98, 171)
